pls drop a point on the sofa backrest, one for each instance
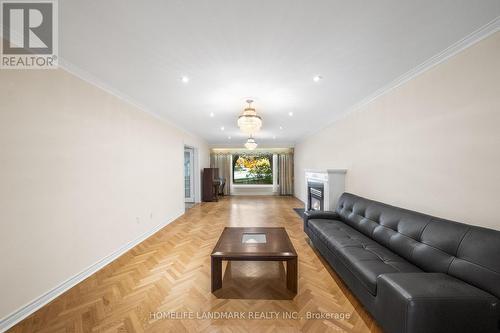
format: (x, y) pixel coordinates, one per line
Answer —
(466, 252)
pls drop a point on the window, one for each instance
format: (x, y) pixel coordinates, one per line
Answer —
(253, 169)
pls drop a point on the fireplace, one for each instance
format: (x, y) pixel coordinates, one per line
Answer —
(324, 188)
(316, 198)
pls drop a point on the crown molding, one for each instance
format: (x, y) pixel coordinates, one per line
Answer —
(457, 47)
(93, 80)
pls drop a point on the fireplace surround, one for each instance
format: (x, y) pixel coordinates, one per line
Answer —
(324, 188)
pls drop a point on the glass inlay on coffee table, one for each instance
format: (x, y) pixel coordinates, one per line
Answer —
(251, 238)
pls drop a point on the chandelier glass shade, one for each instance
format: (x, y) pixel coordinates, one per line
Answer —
(249, 122)
(251, 144)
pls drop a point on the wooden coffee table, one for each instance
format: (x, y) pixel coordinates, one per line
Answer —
(254, 244)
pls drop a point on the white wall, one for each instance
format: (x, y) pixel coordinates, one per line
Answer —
(82, 173)
(431, 145)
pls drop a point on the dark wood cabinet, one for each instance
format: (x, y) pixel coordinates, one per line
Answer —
(211, 184)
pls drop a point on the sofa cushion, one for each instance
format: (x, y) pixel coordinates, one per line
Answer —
(365, 258)
(336, 234)
(367, 266)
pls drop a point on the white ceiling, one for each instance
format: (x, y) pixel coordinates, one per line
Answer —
(267, 50)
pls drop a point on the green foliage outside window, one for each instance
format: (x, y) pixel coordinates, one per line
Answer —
(253, 169)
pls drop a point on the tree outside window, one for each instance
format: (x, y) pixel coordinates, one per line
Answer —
(253, 169)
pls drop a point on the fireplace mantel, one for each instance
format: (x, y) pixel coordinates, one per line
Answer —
(333, 181)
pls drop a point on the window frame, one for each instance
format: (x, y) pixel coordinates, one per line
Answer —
(235, 158)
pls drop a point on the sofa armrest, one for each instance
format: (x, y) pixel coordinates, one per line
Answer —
(317, 214)
(433, 302)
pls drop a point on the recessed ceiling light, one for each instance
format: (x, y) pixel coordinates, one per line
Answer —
(290, 113)
(317, 78)
(229, 137)
(185, 79)
(222, 128)
(281, 127)
(212, 114)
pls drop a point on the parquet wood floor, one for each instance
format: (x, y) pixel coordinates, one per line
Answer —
(169, 275)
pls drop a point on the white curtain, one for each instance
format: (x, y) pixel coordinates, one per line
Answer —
(286, 173)
(223, 163)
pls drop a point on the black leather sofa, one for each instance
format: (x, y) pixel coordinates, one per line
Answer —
(413, 272)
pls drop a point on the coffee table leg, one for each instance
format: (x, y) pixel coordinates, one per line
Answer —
(216, 273)
(291, 275)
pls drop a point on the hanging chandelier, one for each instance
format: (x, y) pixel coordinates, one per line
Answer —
(250, 144)
(249, 122)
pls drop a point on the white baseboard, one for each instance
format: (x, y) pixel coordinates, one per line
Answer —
(300, 199)
(26, 310)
